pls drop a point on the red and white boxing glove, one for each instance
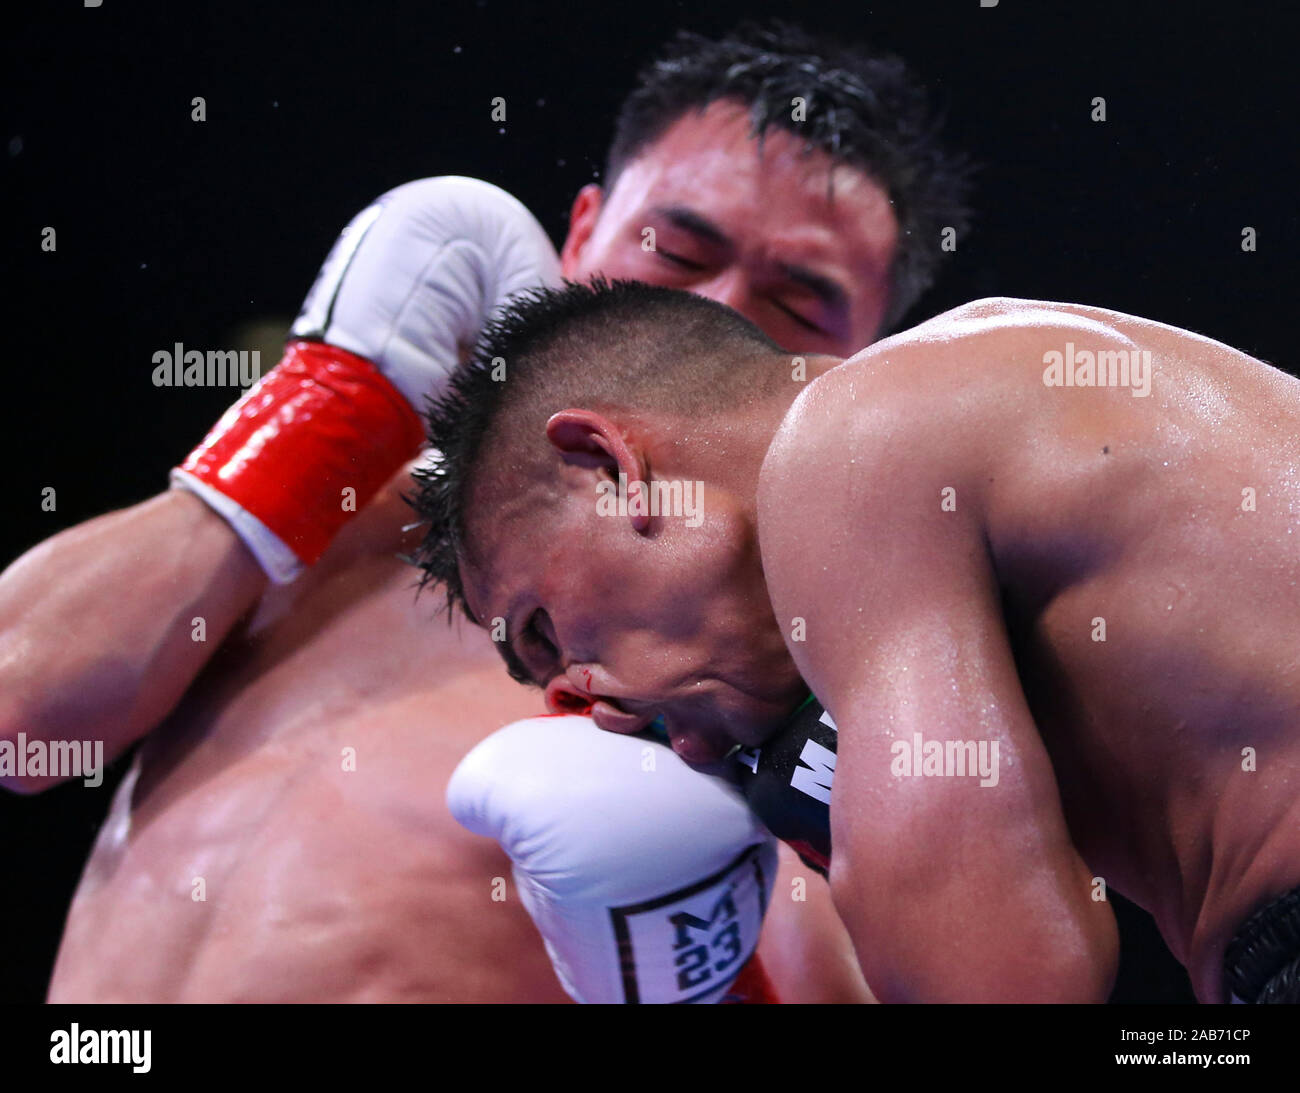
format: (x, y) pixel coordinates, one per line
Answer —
(648, 880)
(403, 293)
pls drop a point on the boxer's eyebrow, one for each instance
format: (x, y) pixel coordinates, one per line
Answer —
(829, 292)
(691, 221)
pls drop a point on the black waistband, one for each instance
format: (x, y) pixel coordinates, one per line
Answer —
(1262, 961)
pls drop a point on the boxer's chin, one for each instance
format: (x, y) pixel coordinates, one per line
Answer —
(750, 719)
(705, 731)
(702, 754)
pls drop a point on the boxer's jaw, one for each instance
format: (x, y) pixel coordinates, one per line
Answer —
(705, 713)
(731, 220)
(703, 729)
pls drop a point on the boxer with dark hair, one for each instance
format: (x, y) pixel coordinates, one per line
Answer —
(1037, 561)
(296, 760)
(863, 109)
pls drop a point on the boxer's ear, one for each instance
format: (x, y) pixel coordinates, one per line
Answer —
(582, 222)
(589, 439)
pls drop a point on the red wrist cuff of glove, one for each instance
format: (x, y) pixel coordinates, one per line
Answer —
(752, 986)
(321, 421)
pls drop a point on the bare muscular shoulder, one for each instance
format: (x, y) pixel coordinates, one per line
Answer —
(875, 504)
(1056, 465)
(968, 407)
(926, 421)
(287, 837)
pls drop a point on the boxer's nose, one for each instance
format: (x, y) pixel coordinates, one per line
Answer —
(732, 288)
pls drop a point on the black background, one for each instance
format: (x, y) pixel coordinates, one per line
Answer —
(171, 230)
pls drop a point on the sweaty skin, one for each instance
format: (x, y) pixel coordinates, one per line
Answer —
(325, 885)
(1162, 760)
(759, 233)
(320, 884)
(1101, 583)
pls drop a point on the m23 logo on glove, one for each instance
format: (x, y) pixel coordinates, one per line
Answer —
(696, 963)
(689, 945)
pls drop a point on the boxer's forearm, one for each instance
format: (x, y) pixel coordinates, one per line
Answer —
(945, 933)
(103, 626)
(806, 950)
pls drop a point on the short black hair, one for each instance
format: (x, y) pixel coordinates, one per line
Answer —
(592, 345)
(864, 109)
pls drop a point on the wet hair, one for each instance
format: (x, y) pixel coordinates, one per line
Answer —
(596, 345)
(864, 109)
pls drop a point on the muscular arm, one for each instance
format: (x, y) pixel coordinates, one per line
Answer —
(805, 949)
(951, 890)
(97, 622)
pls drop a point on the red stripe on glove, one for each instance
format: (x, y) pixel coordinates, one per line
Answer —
(321, 420)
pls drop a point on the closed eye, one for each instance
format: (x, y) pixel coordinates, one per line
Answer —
(678, 260)
(798, 318)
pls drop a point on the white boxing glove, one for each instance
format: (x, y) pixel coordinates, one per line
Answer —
(413, 278)
(404, 292)
(648, 880)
